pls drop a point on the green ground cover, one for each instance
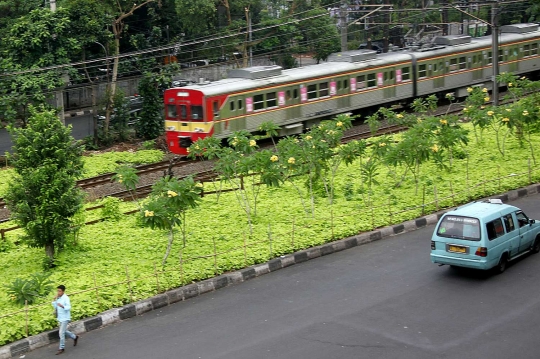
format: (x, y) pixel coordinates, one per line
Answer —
(97, 164)
(105, 250)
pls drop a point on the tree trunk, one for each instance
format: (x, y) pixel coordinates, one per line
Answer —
(169, 246)
(117, 30)
(228, 9)
(49, 250)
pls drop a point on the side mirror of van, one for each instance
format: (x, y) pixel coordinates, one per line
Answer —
(532, 221)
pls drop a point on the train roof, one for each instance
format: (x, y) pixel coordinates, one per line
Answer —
(336, 65)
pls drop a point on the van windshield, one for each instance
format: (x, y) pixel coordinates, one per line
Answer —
(467, 228)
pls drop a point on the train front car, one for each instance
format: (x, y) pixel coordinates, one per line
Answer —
(186, 119)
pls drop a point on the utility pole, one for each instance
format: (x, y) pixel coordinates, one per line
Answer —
(494, 45)
(495, 51)
(250, 31)
(343, 24)
(60, 92)
(168, 43)
(444, 17)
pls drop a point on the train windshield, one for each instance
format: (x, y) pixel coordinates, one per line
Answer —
(171, 111)
(196, 112)
(181, 112)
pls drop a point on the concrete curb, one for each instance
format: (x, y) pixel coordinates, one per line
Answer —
(14, 350)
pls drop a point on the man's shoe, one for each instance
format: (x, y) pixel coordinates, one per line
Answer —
(60, 351)
(75, 341)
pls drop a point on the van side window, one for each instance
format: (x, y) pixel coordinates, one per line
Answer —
(495, 229)
(522, 219)
(509, 223)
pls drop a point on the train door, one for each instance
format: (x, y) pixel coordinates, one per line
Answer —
(243, 105)
(343, 100)
(512, 58)
(437, 72)
(389, 80)
(477, 61)
(292, 101)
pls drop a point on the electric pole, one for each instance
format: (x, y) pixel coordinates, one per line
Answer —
(495, 51)
(343, 24)
(250, 30)
(60, 91)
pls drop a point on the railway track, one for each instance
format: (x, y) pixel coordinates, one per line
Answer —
(144, 191)
(165, 166)
(107, 177)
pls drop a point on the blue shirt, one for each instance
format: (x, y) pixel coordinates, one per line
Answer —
(64, 314)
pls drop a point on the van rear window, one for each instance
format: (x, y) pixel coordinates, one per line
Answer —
(460, 227)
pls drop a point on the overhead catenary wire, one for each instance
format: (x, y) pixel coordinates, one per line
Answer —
(147, 51)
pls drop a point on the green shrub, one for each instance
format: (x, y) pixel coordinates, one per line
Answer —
(111, 209)
(23, 291)
(149, 145)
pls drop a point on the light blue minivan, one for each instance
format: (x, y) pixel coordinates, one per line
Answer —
(484, 235)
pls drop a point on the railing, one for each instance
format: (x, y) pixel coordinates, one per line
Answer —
(99, 297)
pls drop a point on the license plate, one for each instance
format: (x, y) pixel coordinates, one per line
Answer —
(457, 249)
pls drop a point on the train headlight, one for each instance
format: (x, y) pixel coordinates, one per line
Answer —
(198, 129)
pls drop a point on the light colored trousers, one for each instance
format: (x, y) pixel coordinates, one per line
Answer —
(63, 331)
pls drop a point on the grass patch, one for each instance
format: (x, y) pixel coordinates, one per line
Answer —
(105, 250)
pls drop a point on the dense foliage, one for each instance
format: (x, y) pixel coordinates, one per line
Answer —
(43, 196)
(105, 249)
(438, 163)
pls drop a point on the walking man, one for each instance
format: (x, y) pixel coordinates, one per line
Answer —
(62, 308)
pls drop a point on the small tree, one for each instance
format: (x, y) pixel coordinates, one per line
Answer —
(43, 197)
(151, 122)
(168, 204)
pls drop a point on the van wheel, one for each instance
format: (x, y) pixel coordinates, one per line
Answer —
(503, 263)
(536, 245)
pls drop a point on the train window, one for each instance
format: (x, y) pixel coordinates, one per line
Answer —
(422, 71)
(345, 84)
(288, 95)
(534, 49)
(490, 58)
(196, 112)
(435, 68)
(462, 62)
(453, 64)
(338, 84)
(215, 108)
(295, 93)
(323, 89)
(183, 112)
(385, 76)
(312, 92)
(360, 82)
(171, 111)
(240, 104)
(371, 80)
(405, 74)
(231, 105)
(271, 99)
(501, 57)
(527, 50)
(391, 74)
(258, 102)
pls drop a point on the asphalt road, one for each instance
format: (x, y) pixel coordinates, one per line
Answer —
(83, 126)
(381, 300)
